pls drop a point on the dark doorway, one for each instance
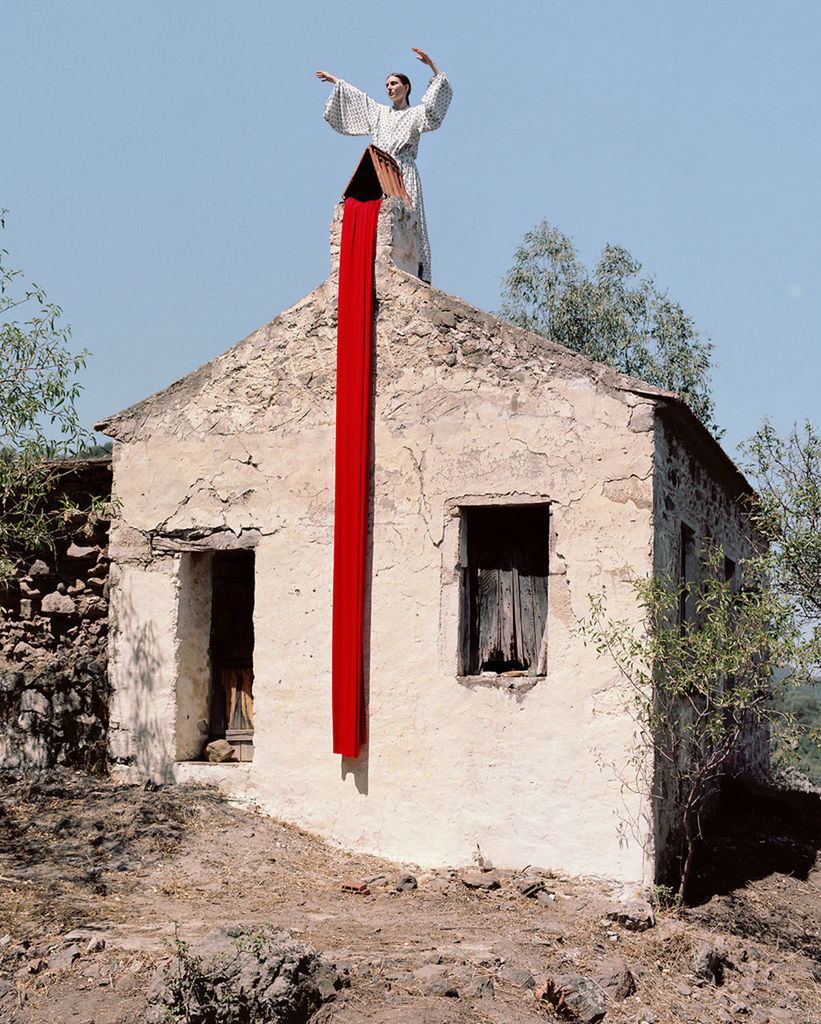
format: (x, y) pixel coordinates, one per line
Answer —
(232, 651)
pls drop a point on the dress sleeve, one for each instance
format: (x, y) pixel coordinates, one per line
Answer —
(435, 102)
(350, 111)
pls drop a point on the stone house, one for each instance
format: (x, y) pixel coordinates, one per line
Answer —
(511, 478)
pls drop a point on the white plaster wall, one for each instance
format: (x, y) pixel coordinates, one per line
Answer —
(143, 669)
(193, 637)
(447, 766)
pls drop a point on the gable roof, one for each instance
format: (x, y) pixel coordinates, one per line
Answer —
(289, 364)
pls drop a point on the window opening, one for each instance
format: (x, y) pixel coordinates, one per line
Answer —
(232, 651)
(504, 599)
(687, 576)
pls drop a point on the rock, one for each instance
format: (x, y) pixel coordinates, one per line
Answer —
(64, 958)
(33, 700)
(708, 963)
(615, 978)
(126, 984)
(58, 604)
(93, 607)
(78, 553)
(95, 944)
(583, 996)
(529, 886)
(517, 976)
(470, 984)
(219, 750)
(10, 681)
(39, 569)
(435, 980)
(481, 879)
(406, 883)
(255, 975)
(634, 915)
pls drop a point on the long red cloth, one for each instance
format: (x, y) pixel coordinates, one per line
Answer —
(353, 422)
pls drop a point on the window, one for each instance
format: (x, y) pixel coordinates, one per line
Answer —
(504, 564)
(231, 713)
(687, 576)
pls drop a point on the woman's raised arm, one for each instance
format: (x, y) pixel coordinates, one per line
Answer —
(323, 76)
(421, 55)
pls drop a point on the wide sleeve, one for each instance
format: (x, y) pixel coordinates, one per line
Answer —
(435, 102)
(350, 111)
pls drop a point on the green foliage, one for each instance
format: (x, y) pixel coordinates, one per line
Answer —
(186, 983)
(696, 687)
(664, 897)
(38, 419)
(802, 746)
(613, 315)
(787, 475)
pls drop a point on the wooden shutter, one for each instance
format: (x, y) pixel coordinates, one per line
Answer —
(507, 556)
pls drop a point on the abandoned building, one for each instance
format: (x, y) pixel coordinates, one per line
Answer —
(510, 479)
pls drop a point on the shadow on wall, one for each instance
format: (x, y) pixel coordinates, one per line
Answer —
(141, 731)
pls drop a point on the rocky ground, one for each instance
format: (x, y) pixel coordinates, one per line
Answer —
(99, 883)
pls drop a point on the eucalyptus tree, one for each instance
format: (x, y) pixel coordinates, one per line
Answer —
(38, 417)
(612, 315)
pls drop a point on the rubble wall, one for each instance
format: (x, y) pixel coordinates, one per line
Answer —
(688, 493)
(54, 640)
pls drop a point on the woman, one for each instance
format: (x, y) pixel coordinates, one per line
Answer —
(395, 128)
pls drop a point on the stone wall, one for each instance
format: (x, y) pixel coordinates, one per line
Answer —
(53, 639)
(709, 500)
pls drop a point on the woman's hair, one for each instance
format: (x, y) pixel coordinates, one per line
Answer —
(403, 79)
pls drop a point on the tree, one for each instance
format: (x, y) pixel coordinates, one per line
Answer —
(787, 474)
(696, 688)
(38, 418)
(613, 316)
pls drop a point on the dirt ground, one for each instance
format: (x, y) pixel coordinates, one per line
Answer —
(96, 879)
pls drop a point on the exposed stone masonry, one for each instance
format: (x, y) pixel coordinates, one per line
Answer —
(53, 641)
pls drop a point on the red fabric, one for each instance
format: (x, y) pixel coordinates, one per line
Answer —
(353, 423)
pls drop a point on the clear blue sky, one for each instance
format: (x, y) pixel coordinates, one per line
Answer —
(170, 178)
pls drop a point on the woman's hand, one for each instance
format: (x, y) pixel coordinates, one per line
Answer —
(323, 76)
(421, 55)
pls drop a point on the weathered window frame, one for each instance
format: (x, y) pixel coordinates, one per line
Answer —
(523, 543)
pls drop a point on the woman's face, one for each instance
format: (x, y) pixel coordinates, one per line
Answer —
(397, 91)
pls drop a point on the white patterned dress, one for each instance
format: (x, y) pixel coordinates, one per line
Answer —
(352, 112)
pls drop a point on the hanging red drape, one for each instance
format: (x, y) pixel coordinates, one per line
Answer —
(353, 422)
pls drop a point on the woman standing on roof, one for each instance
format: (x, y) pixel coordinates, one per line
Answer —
(395, 128)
